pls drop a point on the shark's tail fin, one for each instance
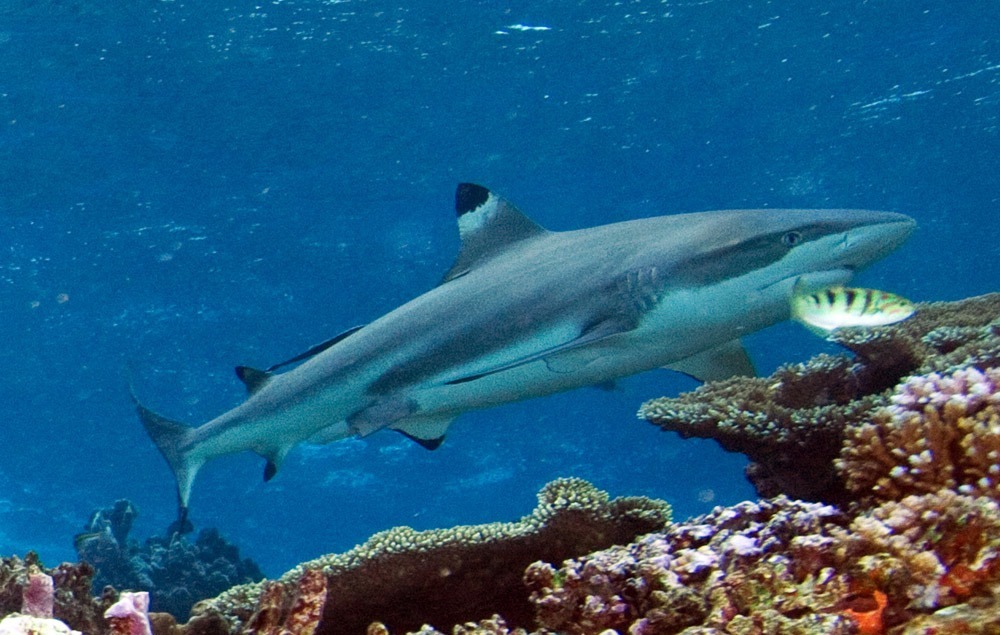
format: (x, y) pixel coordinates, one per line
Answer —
(172, 437)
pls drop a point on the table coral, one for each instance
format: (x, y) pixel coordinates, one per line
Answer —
(941, 431)
(792, 424)
(405, 578)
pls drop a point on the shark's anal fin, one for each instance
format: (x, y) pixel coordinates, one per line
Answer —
(722, 362)
(487, 224)
(253, 378)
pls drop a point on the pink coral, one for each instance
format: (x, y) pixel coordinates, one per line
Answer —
(130, 614)
(38, 596)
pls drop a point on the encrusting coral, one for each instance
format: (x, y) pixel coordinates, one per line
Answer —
(792, 424)
(404, 578)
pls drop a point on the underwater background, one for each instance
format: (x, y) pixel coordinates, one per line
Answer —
(187, 186)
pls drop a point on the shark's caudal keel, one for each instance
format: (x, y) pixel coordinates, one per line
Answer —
(525, 312)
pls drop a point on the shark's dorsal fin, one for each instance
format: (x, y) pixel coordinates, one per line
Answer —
(315, 350)
(487, 224)
(722, 362)
(254, 379)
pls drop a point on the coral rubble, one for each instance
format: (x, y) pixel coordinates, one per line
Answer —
(792, 424)
(405, 578)
(175, 572)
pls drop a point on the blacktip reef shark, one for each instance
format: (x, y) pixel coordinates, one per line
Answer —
(526, 312)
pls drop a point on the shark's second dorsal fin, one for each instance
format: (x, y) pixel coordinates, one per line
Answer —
(487, 224)
(253, 378)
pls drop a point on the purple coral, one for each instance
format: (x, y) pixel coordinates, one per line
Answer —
(38, 596)
(130, 614)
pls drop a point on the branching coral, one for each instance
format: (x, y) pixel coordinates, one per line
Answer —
(941, 431)
(405, 578)
(791, 425)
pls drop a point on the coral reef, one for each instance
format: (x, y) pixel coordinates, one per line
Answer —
(792, 424)
(405, 578)
(175, 572)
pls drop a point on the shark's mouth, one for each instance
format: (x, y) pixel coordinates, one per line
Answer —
(813, 280)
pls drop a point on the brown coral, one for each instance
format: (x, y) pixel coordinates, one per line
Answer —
(791, 425)
(405, 578)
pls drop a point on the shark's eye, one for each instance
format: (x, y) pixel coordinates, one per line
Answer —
(791, 239)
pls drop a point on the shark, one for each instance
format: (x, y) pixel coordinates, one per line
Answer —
(526, 312)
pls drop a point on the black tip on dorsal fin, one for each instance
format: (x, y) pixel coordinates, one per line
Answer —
(488, 226)
(253, 378)
(469, 196)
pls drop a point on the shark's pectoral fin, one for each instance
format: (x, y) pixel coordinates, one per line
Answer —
(427, 432)
(381, 413)
(722, 362)
(562, 358)
(316, 350)
(487, 224)
(253, 378)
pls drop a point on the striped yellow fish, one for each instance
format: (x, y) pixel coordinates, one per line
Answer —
(834, 307)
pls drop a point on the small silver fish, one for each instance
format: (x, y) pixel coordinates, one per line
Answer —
(831, 308)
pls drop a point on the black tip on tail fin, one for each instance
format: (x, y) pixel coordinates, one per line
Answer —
(182, 525)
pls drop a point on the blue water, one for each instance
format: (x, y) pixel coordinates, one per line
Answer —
(185, 186)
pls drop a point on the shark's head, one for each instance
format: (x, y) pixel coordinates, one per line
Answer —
(821, 248)
(760, 255)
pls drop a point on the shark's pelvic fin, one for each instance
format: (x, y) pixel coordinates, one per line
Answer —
(487, 224)
(381, 413)
(429, 433)
(253, 378)
(722, 362)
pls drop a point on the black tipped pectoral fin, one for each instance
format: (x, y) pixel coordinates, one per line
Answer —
(722, 362)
